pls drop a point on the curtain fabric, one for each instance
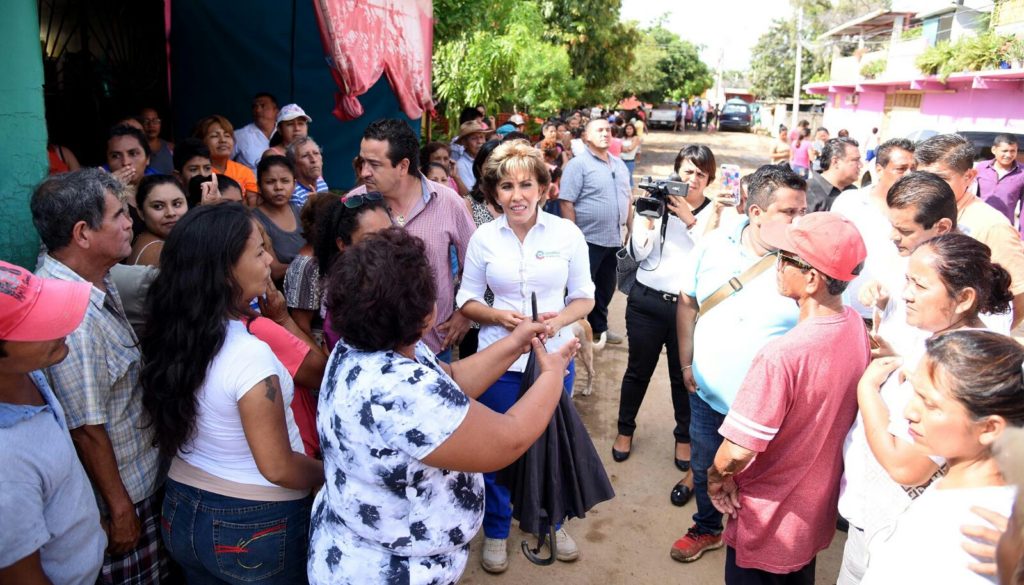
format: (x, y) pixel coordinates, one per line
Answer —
(364, 39)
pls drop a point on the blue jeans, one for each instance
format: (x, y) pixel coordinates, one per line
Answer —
(631, 165)
(219, 539)
(497, 500)
(704, 443)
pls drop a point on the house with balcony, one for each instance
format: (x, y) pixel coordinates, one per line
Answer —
(908, 71)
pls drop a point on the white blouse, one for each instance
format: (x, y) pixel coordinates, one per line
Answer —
(552, 261)
(660, 265)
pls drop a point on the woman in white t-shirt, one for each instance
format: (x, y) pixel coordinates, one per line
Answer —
(968, 389)
(950, 280)
(660, 244)
(630, 149)
(238, 490)
(523, 251)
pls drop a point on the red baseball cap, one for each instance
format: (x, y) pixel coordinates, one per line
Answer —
(827, 241)
(39, 309)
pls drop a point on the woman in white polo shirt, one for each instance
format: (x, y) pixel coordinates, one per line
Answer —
(237, 502)
(523, 251)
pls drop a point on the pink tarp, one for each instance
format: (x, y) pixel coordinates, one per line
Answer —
(366, 38)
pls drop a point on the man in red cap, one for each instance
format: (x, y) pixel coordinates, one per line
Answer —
(793, 411)
(51, 525)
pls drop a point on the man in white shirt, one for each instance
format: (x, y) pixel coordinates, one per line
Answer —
(252, 140)
(867, 209)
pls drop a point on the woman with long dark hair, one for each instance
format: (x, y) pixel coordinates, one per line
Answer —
(238, 490)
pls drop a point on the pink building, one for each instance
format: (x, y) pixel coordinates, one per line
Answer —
(895, 97)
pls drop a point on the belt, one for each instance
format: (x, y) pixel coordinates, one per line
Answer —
(667, 297)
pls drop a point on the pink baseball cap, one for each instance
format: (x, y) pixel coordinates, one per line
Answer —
(39, 309)
(827, 241)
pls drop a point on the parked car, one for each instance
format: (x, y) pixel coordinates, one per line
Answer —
(736, 115)
(663, 115)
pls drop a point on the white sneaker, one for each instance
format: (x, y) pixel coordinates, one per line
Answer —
(495, 555)
(613, 337)
(565, 547)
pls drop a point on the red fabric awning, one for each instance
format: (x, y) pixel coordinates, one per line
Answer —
(364, 39)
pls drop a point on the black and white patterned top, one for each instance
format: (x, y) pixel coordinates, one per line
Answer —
(383, 516)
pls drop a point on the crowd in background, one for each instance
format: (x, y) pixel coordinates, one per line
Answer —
(241, 373)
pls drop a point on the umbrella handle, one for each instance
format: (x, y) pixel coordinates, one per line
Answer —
(531, 554)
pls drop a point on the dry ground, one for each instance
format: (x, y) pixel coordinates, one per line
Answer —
(626, 541)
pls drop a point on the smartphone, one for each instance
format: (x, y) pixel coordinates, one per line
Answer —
(731, 181)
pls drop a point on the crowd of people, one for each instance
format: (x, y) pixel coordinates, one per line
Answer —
(240, 374)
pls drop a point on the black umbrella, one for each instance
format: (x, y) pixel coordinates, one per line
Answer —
(559, 477)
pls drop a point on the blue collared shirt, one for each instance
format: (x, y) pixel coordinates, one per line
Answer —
(727, 337)
(599, 191)
(12, 414)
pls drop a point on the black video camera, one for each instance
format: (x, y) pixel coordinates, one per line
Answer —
(654, 206)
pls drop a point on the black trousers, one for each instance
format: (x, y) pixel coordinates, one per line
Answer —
(651, 326)
(739, 576)
(602, 272)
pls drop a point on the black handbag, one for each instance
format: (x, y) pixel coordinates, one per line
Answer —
(625, 267)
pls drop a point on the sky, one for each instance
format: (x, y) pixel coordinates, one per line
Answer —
(726, 27)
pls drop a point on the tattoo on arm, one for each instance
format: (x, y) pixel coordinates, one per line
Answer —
(273, 387)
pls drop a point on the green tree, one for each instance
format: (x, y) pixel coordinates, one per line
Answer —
(773, 61)
(683, 71)
(600, 47)
(504, 64)
(645, 76)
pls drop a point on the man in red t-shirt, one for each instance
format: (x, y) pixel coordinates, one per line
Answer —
(793, 411)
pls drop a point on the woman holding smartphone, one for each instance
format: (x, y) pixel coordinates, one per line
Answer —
(660, 245)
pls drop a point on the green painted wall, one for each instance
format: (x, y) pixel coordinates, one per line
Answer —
(23, 161)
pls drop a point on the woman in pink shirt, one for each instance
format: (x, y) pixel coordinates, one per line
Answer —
(799, 156)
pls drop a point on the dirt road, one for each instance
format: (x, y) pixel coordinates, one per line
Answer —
(626, 541)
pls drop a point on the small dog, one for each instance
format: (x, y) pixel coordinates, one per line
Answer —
(581, 330)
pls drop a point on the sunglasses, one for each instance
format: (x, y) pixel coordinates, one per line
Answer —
(357, 200)
(794, 260)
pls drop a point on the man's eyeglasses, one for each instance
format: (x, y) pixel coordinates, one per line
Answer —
(794, 260)
(150, 121)
(357, 200)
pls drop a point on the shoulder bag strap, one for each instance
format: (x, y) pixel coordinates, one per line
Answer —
(736, 284)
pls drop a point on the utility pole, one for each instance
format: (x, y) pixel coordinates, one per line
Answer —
(799, 66)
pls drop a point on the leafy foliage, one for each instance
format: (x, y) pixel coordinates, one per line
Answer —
(873, 69)
(977, 53)
(773, 57)
(544, 55)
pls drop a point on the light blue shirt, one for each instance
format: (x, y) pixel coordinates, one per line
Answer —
(46, 501)
(250, 144)
(727, 337)
(465, 166)
(599, 192)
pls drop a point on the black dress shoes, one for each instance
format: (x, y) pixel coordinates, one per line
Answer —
(681, 494)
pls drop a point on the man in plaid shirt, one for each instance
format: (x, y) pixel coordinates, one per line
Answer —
(82, 220)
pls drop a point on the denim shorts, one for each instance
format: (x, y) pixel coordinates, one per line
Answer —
(220, 539)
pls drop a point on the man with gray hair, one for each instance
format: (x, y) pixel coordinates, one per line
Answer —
(840, 169)
(304, 154)
(83, 222)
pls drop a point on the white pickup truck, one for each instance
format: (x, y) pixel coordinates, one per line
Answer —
(664, 114)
